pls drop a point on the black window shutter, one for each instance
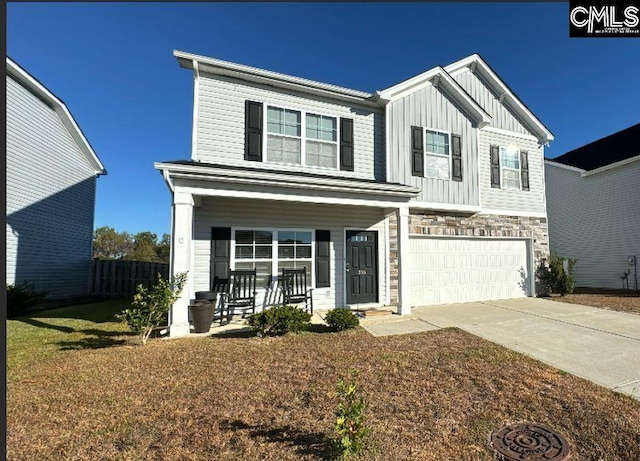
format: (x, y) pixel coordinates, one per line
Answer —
(524, 169)
(346, 144)
(220, 252)
(323, 258)
(456, 157)
(417, 151)
(253, 131)
(495, 166)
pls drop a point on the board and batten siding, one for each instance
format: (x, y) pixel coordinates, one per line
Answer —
(595, 219)
(50, 199)
(430, 108)
(505, 200)
(501, 116)
(220, 131)
(222, 212)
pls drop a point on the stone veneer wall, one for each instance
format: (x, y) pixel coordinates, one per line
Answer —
(428, 223)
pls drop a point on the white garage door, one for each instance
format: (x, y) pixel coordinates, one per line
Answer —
(458, 270)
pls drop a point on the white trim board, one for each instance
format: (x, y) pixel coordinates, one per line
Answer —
(478, 66)
(563, 166)
(513, 134)
(611, 166)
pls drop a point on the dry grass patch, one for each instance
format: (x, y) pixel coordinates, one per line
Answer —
(435, 395)
(616, 300)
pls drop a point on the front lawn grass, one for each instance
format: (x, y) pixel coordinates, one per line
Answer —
(433, 396)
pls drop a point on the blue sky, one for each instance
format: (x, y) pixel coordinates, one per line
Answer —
(113, 66)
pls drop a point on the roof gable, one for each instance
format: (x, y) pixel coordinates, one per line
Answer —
(478, 66)
(611, 149)
(440, 79)
(61, 110)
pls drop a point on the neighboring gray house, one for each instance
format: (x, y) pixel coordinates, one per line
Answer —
(51, 187)
(428, 192)
(593, 201)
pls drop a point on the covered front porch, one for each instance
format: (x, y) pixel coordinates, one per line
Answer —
(229, 218)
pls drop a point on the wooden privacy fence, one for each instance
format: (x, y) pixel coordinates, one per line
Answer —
(119, 279)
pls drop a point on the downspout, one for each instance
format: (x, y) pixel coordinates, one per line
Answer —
(167, 179)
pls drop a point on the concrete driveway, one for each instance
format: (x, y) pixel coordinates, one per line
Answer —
(596, 344)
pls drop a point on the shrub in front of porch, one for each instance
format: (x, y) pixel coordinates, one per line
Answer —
(150, 306)
(341, 318)
(279, 320)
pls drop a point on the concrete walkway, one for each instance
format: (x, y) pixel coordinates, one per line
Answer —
(596, 344)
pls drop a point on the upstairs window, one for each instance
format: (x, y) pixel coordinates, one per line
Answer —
(297, 137)
(322, 141)
(284, 136)
(301, 138)
(437, 155)
(510, 168)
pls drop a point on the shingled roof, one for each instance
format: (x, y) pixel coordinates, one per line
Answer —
(605, 151)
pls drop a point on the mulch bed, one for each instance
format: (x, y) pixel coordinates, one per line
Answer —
(617, 300)
(433, 396)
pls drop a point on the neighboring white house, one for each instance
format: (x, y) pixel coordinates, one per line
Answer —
(51, 187)
(593, 201)
(428, 192)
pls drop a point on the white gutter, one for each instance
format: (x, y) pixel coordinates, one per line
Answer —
(218, 66)
(287, 180)
(611, 166)
(562, 165)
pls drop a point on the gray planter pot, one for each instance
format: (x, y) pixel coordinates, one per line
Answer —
(202, 315)
(206, 295)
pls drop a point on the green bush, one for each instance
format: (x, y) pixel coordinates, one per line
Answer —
(22, 298)
(552, 276)
(279, 320)
(351, 429)
(341, 318)
(150, 306)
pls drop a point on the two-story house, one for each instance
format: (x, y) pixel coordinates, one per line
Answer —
(52, 172)
(428, 192)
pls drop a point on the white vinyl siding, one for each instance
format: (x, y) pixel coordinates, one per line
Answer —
(458, 270)
(429, 107)
(263, 214)
(50, 199)
(595, 219)
(501, 116)
(221, 125)
(504, 199)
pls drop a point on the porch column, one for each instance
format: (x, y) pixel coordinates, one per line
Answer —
(404, 301)
(182, 220)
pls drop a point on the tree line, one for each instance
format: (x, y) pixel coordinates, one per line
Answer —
(143, 246)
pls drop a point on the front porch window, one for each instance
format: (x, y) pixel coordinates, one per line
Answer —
(271, 250)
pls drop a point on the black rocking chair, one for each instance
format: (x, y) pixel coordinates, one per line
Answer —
(221, 286)
(240, 293)
(294, 288)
